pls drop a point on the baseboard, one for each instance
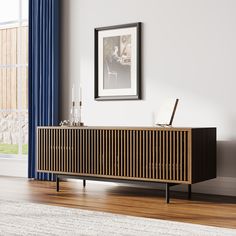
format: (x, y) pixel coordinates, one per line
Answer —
(14, 166)
(219, 186)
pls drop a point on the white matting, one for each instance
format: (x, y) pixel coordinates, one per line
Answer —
(22, 218)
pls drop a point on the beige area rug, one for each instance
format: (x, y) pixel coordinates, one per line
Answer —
(21, 218)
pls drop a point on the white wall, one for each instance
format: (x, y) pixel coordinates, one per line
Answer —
(189, 52)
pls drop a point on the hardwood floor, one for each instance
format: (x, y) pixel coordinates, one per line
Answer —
(122, 199)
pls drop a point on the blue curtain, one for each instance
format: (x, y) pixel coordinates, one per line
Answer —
(43, 73)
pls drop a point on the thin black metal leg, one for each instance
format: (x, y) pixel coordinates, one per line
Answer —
(58, 181)
(167, 193)
(189, 191)
(84, 182)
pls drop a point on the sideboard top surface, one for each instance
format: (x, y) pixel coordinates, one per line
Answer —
(125, 128)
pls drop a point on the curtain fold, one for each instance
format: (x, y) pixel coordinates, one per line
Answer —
(43, 74)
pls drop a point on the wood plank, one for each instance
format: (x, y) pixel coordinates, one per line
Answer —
(153, 156)
(112, 152)
(106, 153)
(1, 48)
(181, 156)
(58, 165)
(14, 46)
(62, 150)
(67, 151)
(101, 153)
(88, 152)
(49, 135)
(190, 156)
(13, 91)
(98, 152)
(4, 46)
(166, 166)
(150, 154)
(95, 151)
(157, 154)
(177, 151)
(45, 149)
(122, 152)
(170, 156)
(163, 155)
(115, 153)
(1, 87)
(109, 151)
(134, 154)
(56, 160)
(38, 145)
(72, 163)
(144, 154)
(86, 160)
(140, 154)
(137, 153)
(40, 167)
(64, 156)
(130, 153)
(92, 151)
(174, 156)
(83, 147)
(53, 150)
(185, 155)
(75, 158)
(8, 88)
(118, 153)
(8, 46)
(4, 85)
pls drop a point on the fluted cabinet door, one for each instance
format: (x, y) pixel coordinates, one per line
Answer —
(151, 154)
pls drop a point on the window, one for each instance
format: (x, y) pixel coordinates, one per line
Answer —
(13, 77)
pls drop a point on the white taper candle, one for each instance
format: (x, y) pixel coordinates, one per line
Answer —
(80, 93)
(73, 93)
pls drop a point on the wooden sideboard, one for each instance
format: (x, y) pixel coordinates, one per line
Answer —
(145, 155)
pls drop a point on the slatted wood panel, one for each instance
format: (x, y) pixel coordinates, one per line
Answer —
(9, 44)
(120, 153)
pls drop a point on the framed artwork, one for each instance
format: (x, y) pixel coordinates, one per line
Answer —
(118, 62)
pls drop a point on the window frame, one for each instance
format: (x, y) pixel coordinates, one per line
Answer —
(17, 24)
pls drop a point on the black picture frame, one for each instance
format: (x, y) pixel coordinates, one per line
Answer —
(124, 82)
